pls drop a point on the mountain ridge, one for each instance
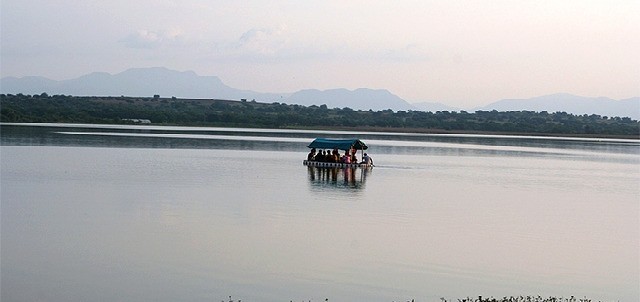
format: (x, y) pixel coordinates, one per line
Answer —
(357, 99)
(565, 102)
(187, 84)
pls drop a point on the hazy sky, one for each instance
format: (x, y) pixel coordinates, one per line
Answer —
(461, 53)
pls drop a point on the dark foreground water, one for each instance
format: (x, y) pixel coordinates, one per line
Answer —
(115, 213)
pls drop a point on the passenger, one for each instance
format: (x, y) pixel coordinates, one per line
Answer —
(354, 158)
(367, 160)
(312, 155)
(346, 158)
(335, 156)
(327, 156)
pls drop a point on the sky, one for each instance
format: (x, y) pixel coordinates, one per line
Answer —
(459, 53)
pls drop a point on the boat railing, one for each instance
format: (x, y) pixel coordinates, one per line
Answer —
(321, 164)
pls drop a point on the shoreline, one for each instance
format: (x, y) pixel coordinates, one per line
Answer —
(368, 129)
(464, 132)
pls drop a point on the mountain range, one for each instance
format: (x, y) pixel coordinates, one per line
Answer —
(146, 82)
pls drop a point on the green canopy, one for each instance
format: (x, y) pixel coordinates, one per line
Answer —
(341, 144)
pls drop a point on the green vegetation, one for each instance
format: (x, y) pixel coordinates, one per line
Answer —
(207, 112)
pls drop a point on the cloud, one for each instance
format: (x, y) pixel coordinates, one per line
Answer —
(146, 39)
(263, 42)
(281, 43)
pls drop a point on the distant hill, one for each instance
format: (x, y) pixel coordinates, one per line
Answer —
(134, 82)
(359, 99)
(569, 103)
(147, 82)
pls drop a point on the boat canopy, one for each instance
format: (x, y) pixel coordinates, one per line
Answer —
(342, 144)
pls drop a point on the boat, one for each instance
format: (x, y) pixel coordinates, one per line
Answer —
(340, 144)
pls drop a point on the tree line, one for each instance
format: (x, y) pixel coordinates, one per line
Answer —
(208, 112)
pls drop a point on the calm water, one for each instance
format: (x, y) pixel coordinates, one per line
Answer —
(114, 213)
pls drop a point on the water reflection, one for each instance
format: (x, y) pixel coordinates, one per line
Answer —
(66, 135)
(195, 221)
(127, 136)
(347, 178)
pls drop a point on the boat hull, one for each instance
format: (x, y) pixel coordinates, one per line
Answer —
(333, 165)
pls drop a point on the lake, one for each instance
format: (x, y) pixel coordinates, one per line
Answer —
(150, 213)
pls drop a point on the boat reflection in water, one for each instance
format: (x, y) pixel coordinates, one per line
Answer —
(351, 178)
